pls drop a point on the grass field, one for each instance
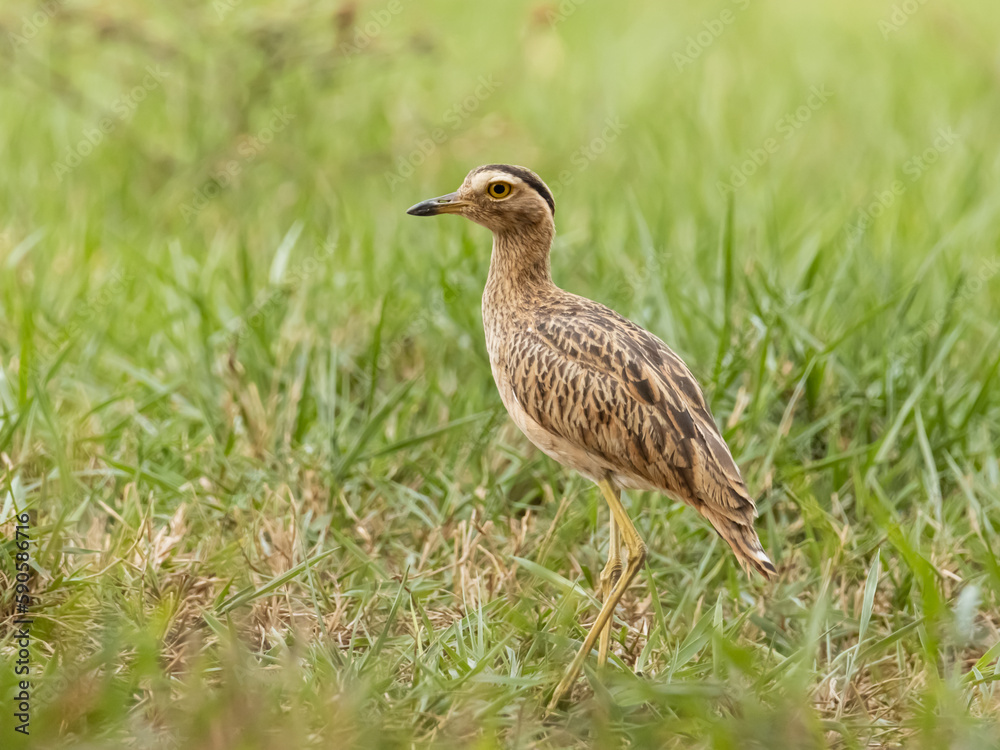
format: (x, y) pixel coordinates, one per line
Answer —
(273, 498)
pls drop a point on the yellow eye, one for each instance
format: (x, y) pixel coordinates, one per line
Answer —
(499, 190)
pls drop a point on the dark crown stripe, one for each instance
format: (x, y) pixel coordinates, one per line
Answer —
(529, 177)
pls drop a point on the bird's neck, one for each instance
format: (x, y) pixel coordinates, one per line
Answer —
(520, 263)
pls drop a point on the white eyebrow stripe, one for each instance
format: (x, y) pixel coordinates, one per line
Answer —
(481, 180)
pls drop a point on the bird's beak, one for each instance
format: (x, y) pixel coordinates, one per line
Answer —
(446, 204)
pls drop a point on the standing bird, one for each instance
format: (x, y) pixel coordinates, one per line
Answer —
(593, 390)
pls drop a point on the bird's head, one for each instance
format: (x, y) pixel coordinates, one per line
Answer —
(500, 197)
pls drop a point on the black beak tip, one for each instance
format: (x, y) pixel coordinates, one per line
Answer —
(443, 205)
(421, 209)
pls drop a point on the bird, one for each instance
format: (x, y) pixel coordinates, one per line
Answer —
(594, 391)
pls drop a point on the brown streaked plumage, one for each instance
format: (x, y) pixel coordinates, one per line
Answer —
(592, 389)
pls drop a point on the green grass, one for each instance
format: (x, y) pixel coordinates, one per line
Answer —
(245, 398)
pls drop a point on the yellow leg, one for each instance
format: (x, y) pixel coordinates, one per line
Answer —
(636, 557)
(609, 577)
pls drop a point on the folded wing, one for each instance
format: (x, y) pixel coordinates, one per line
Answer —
(599, 381)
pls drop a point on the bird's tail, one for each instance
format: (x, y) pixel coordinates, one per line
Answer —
(752, 555)
(742, 537)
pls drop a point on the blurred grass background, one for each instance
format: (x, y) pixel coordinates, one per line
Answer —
(246, 399)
